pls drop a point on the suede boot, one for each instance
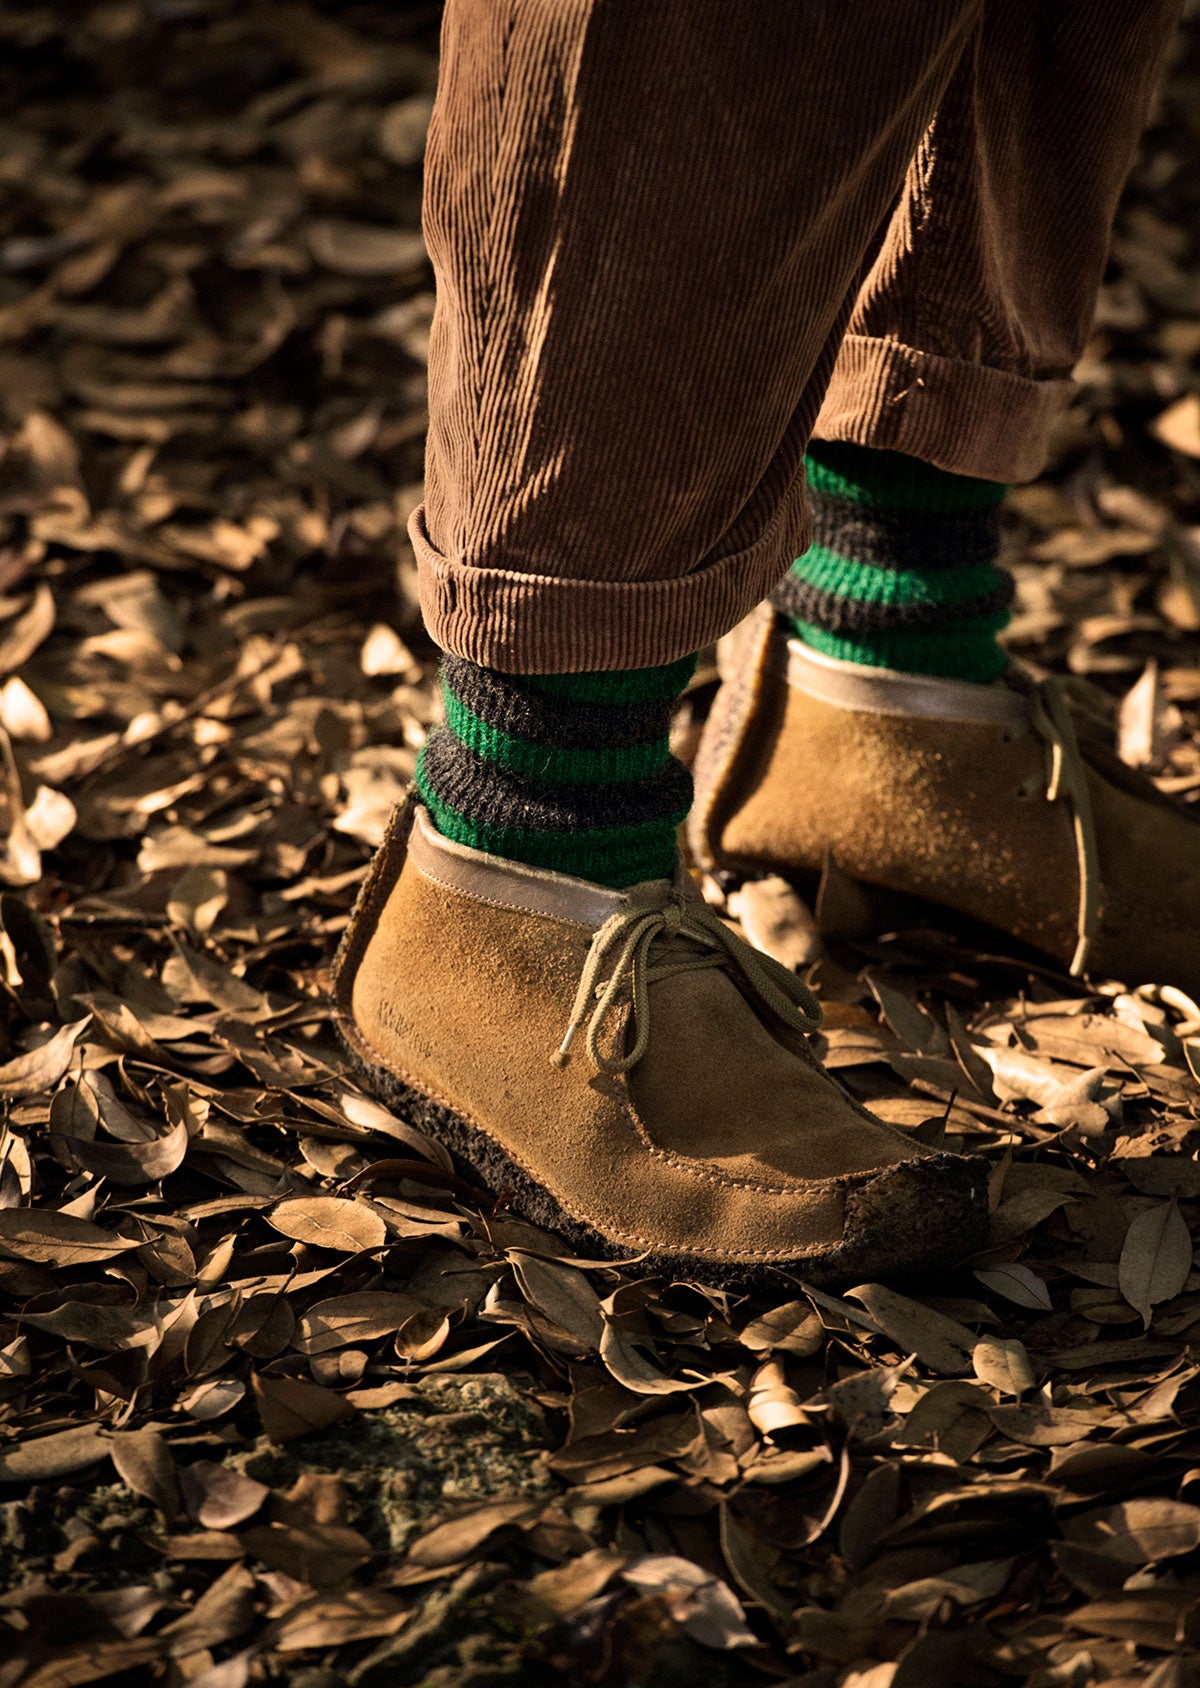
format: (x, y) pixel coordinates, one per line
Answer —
(1004, 803)
(628, 1072)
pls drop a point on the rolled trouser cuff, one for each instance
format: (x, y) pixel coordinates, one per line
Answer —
(959, 416)
(523, 623)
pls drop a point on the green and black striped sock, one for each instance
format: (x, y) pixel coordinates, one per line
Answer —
(902, 571)
(565, 771)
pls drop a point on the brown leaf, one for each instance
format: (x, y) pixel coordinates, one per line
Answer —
(562, 1294)
(705, 1607)
(41, 1069)
(564, 1588)
(360, 1614)
(627, 1362)
(58, 1239)
(219, 1497)
(1139, 1531)
(332, 1222)
(1156, 1259)
(940, 1343)
(92, 1661)
(422, 1334)
(1179, 425)
(1003, 1364)
(458, 1538)
(321, 1553)
(365, 249)
(22, 636)
(130, 1163)
(1016, 1283)
(40, 1457)
(793, 1327)
(777, 921)
(347, 1319)
(773, 1405)
(222, 1613)
(143, 1460)
(290, 1407)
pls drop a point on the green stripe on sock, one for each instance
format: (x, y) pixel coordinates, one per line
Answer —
(829, 572)
(891, 481)
(962, 651)
(548, 762)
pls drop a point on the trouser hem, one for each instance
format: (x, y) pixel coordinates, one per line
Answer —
(522, 623)
(959, 416)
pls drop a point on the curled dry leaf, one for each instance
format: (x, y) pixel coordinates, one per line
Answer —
(942, 1344)
(360, 1614)
(217, 1497)
(143, 1460)
(291, 1407)
(422, 1334)
(773, 1405)
(43, 1067)
(346, 1319)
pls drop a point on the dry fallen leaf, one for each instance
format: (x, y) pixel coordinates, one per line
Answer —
(283, 1392)
(1156, 1258)
(330, 1222)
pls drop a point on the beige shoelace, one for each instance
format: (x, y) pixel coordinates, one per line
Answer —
(691, 937)
(1067, 781)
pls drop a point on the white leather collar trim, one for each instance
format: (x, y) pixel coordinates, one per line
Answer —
(505, 884)
(883, 691)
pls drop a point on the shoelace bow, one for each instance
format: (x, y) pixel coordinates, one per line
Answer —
(618, 964)
(1066, 780)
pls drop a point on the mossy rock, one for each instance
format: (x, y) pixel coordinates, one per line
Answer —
(463, 1439)
(458, 1440)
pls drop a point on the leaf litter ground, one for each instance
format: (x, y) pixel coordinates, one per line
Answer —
(283, 1397)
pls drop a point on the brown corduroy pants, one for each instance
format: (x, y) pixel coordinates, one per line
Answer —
(673, 238)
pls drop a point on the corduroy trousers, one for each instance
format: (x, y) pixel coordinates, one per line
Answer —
(674, 238)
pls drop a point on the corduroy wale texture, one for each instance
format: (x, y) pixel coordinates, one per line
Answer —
(902, 572)
(571, 772)
(666, 237)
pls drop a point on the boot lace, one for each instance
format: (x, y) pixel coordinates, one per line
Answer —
(688, 937)
(1067, 781)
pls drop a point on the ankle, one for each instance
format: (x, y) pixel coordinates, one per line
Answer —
(903, 571)
(567, 772)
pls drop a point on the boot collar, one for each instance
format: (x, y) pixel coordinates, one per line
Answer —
(883, 691)
(505, 884)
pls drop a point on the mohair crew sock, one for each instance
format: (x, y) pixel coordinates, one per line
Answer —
(565, 771)
(902, 570)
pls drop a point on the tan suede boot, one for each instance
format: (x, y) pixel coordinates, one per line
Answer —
(688, 1123)
(992, 801)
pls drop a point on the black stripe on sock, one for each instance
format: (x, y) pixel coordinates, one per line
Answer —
(513, 708)
(496, 796)
(837, 614)
(904, 539)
